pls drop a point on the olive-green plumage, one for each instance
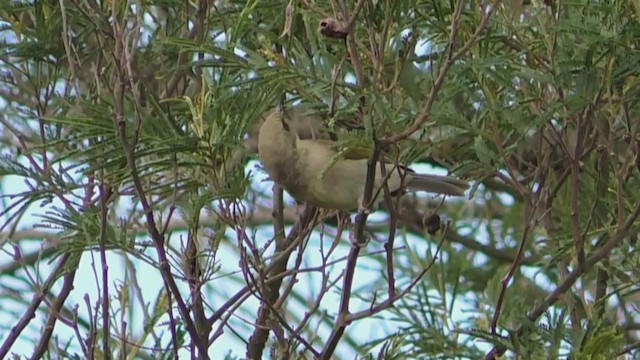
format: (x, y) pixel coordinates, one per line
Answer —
(311, 171)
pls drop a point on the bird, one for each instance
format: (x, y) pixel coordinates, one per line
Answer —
(315, 172)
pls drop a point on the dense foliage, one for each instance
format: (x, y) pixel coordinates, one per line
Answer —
(133, 221)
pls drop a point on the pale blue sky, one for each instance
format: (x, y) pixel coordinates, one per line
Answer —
(150, 280)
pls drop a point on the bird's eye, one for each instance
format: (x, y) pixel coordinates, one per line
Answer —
(285, 125)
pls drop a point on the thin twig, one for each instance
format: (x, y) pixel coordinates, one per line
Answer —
(374, 309)
(67, 286)
(105, 193)
(358, 241)
(129, 150)
(419, 122)
(561, 289)
(30, 312)
(259, 337)
(528, 228)
(393, 223)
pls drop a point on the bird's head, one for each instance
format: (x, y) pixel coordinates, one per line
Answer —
(276, 127)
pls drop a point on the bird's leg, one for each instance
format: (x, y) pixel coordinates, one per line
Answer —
(344, 218)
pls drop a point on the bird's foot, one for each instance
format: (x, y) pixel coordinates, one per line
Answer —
(356, 241)
(363, 208)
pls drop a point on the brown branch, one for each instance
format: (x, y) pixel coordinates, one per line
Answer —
(412, 219)
(629, 348)
(295, 334)
(129, 150)
(104, 193)
(451, 57)
(194, 275)
(243, 294)
(358, 241)
(172, 325)
(561, 289)
(92, 331)
(293, 273)
(350, 42)
(488, 250)
(374, 309)
(275, 262)
(278, 265)
(67, 286)
(354, 15)
(393, 223)
(528, 228)
(575, 190)
(30, 312)
(268, 294)
(325, 284)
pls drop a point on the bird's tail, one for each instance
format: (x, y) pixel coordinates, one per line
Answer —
(436, 184)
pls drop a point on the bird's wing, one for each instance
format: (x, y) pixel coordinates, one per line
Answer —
(344, 151)
(326, 143)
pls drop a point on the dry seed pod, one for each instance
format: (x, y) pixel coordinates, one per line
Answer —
(333, 28)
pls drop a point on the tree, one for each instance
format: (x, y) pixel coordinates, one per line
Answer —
(128, 134)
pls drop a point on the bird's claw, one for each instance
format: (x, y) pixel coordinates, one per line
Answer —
(362, 208)
(355, 242)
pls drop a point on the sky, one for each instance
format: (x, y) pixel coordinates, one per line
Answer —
(150, 281)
